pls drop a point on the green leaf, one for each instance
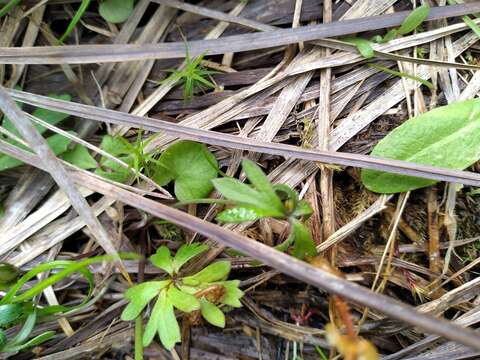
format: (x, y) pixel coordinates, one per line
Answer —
(240, 214)
(244, 194)
(115, 11)
(303, 209)
(447, 136)
(232, 294)
(214, 272)
(192, 167)
(3, 339)
(140, 296)
(414, 20)
(163, 260)
(401, 74)
(472, 25)
(390, 35)
(186, 253)
(10, 312)
(212, 313)
(121, 149)
(37, 340)
(364, 47)
(163, 321)
(303, 244)
(79, 156)
(183, 301)
(76, 18)
(258, 179)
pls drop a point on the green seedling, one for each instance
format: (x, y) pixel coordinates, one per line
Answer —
(401, 74)
(261, 199)
(411, 22)
(76, 18)
(19, 307)
(9, 6)
(193, 76)
(448, 137)
(201, 293)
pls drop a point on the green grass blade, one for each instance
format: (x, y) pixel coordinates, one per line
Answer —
(76, 18)
(402, 74)
(4, 10)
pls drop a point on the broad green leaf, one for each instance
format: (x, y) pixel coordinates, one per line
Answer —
(114, 145)
(115, 11)
(10, 312)
(214, 272)
(448, 136)
(212, 313)
(162, 259)
(232, 294)
(79, 156)
(303, 244)
(140, 296)
(183, 301)
(260, 181)
(244, 194)
(414, 20)
(191, 166)
(364, 47)
(186, 253)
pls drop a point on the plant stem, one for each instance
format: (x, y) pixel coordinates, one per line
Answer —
(138, 338)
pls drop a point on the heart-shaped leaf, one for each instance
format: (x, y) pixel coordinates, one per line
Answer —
(115, 11)
(448, 136)
(191, 166)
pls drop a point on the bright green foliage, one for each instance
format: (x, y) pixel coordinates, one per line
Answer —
(448, 136)
(115, 11)
(262, 199)
(7, 7)
(186, 294)
(193, 76)
(18, 305)
(80, 157)
(411, 22)
(414, 20)
(364, 47)
(191, 166)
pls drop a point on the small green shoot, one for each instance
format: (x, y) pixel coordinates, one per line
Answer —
(192, 76)
(401, 74)
(18, 306)
(191, 165)
(76, 18)
(201, 293)
(9, 6)
(262, 199)
(411, 22)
